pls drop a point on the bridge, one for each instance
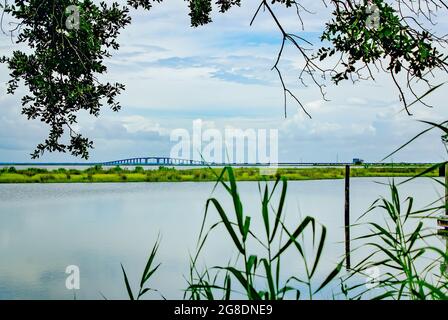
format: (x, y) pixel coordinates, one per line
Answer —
(155, 161)
(150, 161)
(186, 162)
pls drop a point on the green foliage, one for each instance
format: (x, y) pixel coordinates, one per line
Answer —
(200, 12)
(60, 70)
(95, 169)
(116, 169)
(145, 4)
(118, 174)
(405, 47)
(163, 168)
(46, 178)
(139, 170)
(148, 272)
(400, 248)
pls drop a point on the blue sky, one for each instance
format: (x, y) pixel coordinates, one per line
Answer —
(221, 73)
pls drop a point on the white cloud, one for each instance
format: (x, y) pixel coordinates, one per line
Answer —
(221, 73)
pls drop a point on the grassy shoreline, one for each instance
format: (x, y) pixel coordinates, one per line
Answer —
(97, 174)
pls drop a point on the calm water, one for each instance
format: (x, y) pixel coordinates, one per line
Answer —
(46, 227)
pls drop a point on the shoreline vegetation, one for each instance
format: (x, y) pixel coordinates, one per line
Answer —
(98, 174)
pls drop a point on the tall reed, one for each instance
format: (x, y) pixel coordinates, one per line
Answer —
(401, 250)
(255, 275)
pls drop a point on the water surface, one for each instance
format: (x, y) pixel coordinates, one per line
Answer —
(46, 227)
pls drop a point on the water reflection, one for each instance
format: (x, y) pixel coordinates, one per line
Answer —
(44, 228)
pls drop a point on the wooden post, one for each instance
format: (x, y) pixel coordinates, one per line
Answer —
(446, 190)
(445, 263)
(347, 216)
(442, 170)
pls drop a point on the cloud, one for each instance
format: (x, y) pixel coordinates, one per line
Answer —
(221, 73)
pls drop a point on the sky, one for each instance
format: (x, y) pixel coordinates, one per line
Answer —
(221, 73)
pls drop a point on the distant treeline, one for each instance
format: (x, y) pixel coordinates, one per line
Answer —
(166, 174)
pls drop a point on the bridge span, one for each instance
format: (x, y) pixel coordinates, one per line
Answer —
(187, 162)
(155, 161)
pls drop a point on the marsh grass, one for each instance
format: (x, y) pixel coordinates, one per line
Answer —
(254, 275)
(147, 274)
(401, 249)
(98, 174)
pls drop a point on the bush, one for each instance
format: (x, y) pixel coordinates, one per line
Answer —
(116, 169)
(95, 169)
(28, 173)
(37, 170)
(74, 172)
(46, 178)
(139, 170)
